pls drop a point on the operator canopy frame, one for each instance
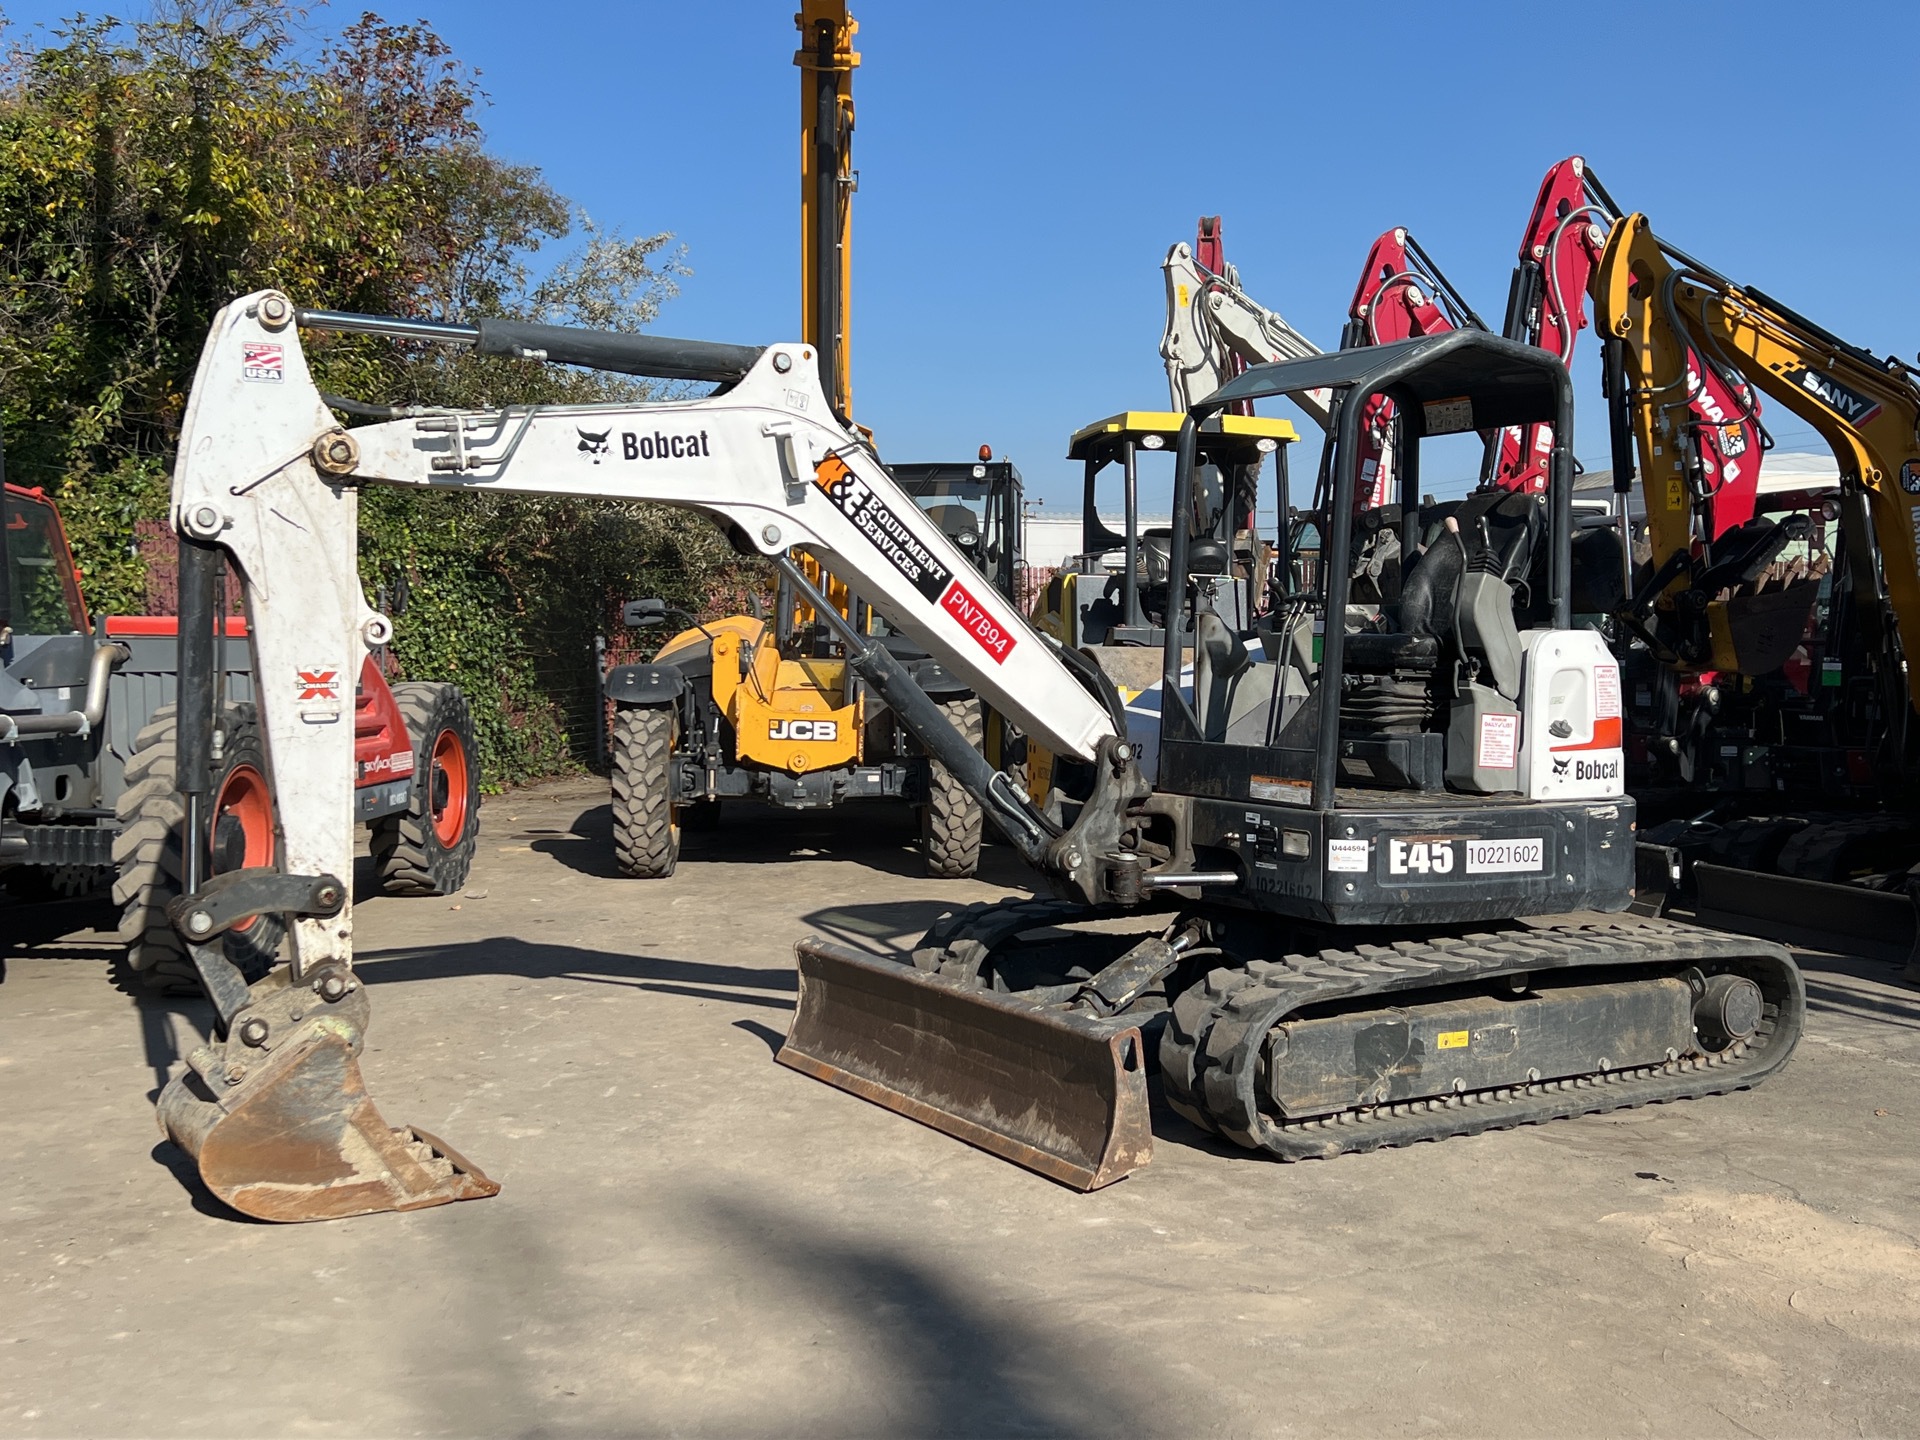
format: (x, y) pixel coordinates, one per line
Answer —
(1457, 382)
(1508, 382)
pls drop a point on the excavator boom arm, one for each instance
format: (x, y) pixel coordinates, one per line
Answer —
(268, 475)
(1668, 311)
(1215, 329)
(274, 1109)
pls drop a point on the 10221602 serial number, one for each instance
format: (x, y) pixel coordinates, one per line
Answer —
(1506, 857)
(1482, 857)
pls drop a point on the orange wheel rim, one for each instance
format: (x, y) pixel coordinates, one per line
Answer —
(447, 784)
(245, 799)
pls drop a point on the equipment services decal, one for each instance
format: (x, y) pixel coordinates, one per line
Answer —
(924, 570)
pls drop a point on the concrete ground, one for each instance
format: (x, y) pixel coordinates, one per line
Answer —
(694, 1241)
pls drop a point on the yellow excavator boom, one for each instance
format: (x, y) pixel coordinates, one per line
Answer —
(1658, 303)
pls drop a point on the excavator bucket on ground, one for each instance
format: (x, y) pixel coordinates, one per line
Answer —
(285, 1130)
(1061, 1093)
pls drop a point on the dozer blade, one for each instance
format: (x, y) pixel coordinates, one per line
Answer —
(296, 1136)
(1061, 1093)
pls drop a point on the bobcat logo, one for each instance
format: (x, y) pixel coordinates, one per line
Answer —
(591, 445)
(1560, 764)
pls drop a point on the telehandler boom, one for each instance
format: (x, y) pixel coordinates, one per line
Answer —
(1373, 884)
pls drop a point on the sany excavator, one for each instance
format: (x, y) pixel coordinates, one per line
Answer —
(1366, 902)
(1851, 746)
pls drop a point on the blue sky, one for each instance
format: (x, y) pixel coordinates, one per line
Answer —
(1024, 168)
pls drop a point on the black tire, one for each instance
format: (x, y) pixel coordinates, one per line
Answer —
(950, 821)
(646, 829)
(427, 849)
(148, 852)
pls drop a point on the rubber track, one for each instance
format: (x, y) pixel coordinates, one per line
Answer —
(1210, 1050)
(952, 827)
(407, 851)
(644, 844)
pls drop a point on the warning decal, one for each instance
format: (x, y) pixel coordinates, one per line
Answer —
(1606, 691)
(1449, 417)
(1499, 742)
(870, 515)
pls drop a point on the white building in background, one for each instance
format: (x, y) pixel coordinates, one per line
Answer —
(1780, 472)
(1050, 539)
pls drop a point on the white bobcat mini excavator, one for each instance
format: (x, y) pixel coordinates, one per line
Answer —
(1373, 895)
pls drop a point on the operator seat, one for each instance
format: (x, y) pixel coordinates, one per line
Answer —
(1498, 534)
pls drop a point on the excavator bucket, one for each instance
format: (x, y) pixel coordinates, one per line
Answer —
(293, 1135)
(1061, 1093)
(1757, 634)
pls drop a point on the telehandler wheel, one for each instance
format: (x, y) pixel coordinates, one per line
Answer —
(950, 821)
(427, 849)
(148, 851)
(646, 825)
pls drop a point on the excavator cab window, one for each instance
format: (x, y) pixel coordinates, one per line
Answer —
(1363, 680)
(977, 505)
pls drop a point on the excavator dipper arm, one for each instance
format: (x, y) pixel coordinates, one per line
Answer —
(1546, 302)
(1215, 329)
(275, 1110)
(1399, 297)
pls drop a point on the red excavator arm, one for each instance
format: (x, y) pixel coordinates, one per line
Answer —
(1210, 254)
(1545, 306)
(1559, 252)
(1396, 299)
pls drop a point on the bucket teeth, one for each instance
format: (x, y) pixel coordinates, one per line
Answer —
(289, 1133)
(1061, 1093)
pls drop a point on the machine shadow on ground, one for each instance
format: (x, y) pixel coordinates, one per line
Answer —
(505, 956)
(954, 1365)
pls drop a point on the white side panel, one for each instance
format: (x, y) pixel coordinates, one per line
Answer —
(1571, 727)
